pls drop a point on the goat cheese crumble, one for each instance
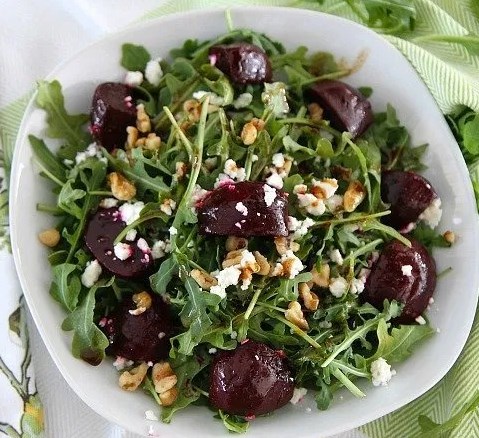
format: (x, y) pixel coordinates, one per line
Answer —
(91, 274)
(381, 372)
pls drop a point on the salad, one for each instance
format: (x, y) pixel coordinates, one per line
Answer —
(236, 226)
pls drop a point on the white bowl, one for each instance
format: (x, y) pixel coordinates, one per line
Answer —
(394, 81)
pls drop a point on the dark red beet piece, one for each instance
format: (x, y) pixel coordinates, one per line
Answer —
(101, 231)
(343, 105)
(247, 208)
(143, 337)
(389, 279)
(242, 63)
(251, 380)
(112, 111)
(409, 195)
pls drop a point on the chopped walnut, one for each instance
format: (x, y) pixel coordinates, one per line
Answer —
(204, 280)
(310, 299)
(131, 380)
(264, 266)
(132, 137)
(180, 170)
(353, 196)
(325, 188)
(165, 381)
(449, 237)
(249, 133)
(142, 119)
(193, 109)
(234, 243)
(295, 315)
(121, 188)
(321, 278)
(49, 237)
(258, 123)
(283, 244)
(315, 112)
(142, 301)
(152, 142)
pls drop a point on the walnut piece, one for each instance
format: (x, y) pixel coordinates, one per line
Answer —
(204, 280)
(131, 380)
(142, 119)
(249, 133)
(264, 266)
(142, 301)
(310, 299)
(321, 278)
(121, 188)
(165, 380)
(233, 243)
(353, 196)
(295, 315)
(49, 237)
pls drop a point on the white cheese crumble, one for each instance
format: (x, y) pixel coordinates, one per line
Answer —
(420, 320)
(357, 285)
(234, 334)
(130, 212)
(291, 264)
(275, 180)
(131, 235)
(173, 231)
(334, 203)
(299, 228)
(160, 248)
(298, 395)
(300, 188)
(91, 274)
(150, 415)
(269, 194)
(313, 205)
(168, 206)
(212, 350)
(226, 277)
(406, 270)
(233, 171)
(327, 186)
(142, 244)
(121, 363)
(278, 160)
(91, 151)
(381, 372)
(336, 257)
(241, 208)
(153, 71)
(325, 324)
(122, 250)
(108, 202)
(338, 286)
(198, 194)
(133, 78)
(432, 214)
(243, 100)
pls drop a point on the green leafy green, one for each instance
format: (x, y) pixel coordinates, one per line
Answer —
(89, 342)
(133, 57)
(47, 161)
(233, 423)
(60, 123)
(65, 287)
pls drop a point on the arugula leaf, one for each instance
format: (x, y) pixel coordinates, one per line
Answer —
(65, 287)
(89, 342)
(288, 288)
(233, 423)
(134, 58)
(60, 123)
(429, 237)
(168, 269)
(194, 317)
(47, 161)
(398, 345)
(67, 197)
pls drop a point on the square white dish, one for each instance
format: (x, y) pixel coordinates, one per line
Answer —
(393, 81)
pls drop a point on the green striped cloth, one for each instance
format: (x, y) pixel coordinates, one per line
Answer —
(444, 49)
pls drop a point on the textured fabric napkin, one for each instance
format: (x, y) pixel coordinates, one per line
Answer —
(444, 49)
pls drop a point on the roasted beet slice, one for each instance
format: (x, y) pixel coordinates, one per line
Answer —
(248, 208)
(407, 275)
(409, 195)
(242, 63)
(101, 231)
(251, 380)
(343, 105)
(112, 110)
(142, 337)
